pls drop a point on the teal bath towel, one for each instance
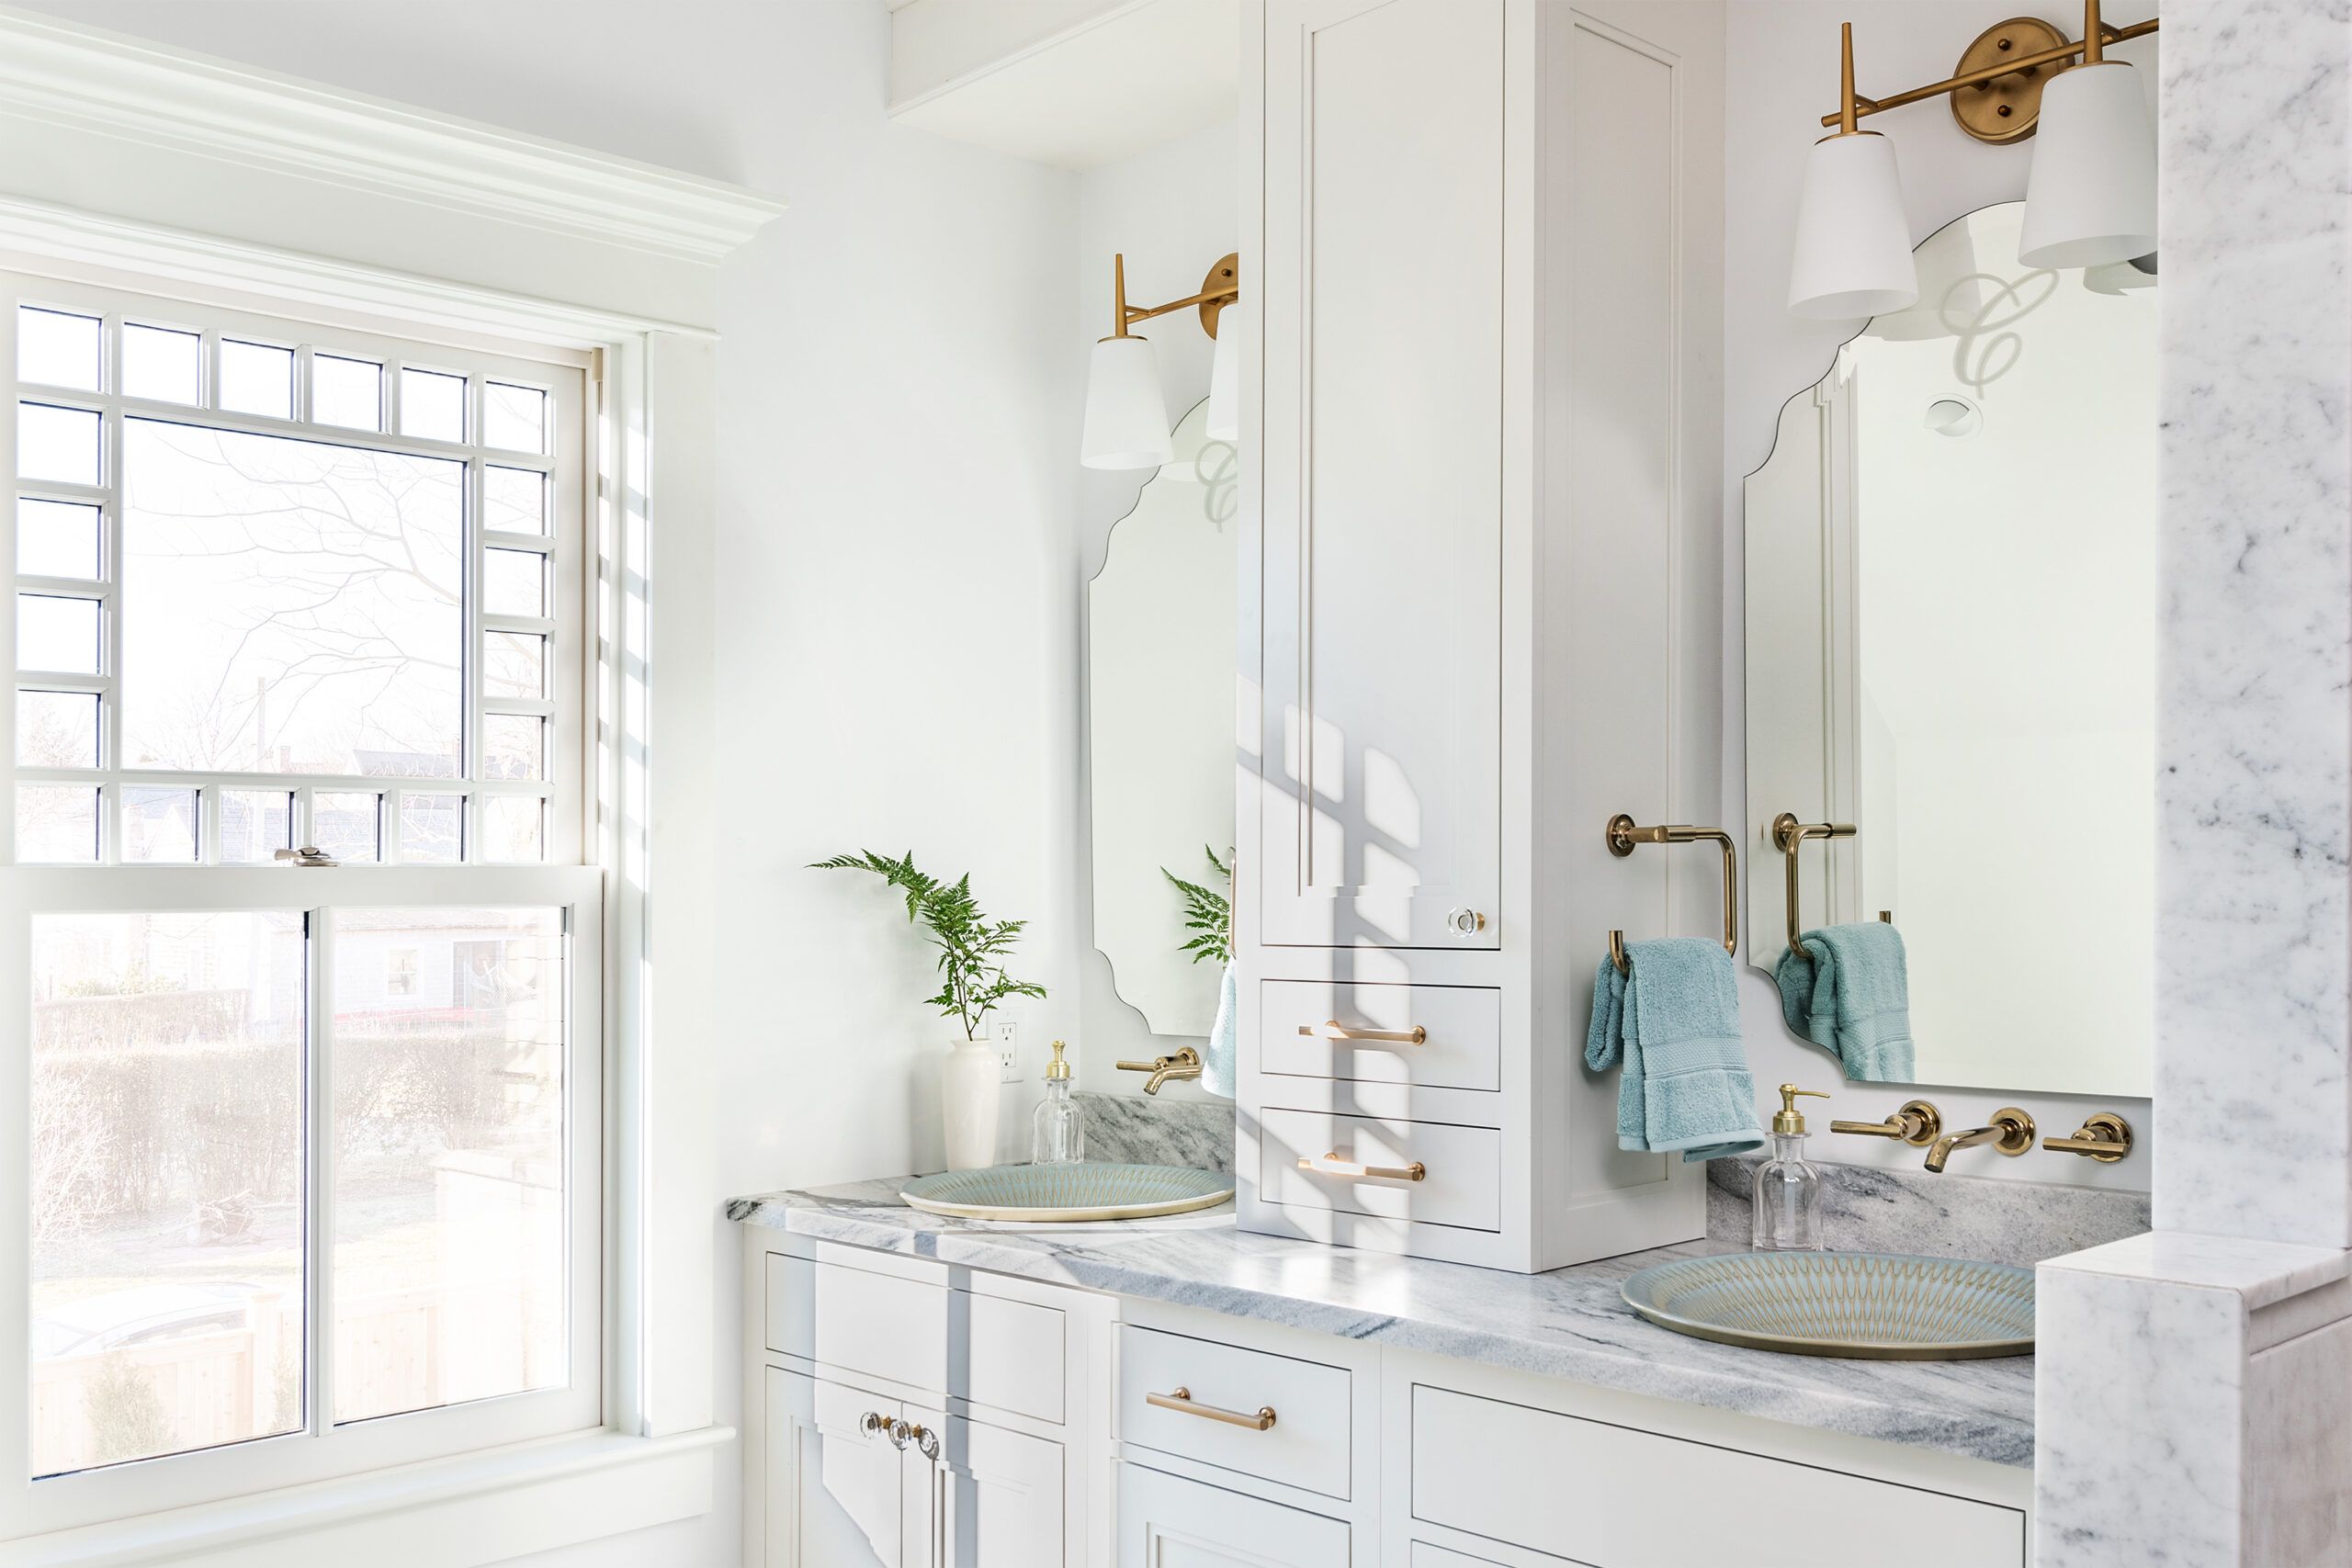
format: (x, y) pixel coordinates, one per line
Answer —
(1673, 1029)
(1218, 1064)
(1848, 991)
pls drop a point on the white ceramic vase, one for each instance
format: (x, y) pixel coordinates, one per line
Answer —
(967, 1104)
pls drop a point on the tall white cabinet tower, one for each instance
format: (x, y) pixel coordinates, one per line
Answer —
(1482, 573)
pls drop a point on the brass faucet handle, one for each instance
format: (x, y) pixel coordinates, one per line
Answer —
(2105, 1137)
(1917, 1124)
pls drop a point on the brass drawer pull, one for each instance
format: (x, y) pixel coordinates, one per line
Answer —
(1333, 1029)
(1333, 1165)
(1181, 1401)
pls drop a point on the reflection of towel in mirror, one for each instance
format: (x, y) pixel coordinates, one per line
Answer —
(1848, 991)
(1674, 1026)
(1217, 1064)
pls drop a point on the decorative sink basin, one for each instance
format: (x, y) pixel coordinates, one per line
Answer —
(1871, 1306)
(1052, 1194)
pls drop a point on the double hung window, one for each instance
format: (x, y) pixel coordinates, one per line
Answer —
(299, 1162)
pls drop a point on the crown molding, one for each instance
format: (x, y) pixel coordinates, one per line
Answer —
(63, 74)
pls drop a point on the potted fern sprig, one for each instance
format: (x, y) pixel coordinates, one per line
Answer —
(973, 952)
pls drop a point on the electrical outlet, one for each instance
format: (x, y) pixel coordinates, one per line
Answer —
(1007, 1051)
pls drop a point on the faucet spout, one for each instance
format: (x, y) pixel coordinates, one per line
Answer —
(2011, 1131)
(1184, 1064)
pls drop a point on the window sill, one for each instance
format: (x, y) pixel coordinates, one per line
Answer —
(461, 1512)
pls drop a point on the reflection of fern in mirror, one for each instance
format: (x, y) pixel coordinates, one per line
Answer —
(972, 948)
(1207, 913)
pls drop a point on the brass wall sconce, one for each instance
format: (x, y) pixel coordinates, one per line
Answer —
(1996, 89)
(2090, 198)
(1126, 418)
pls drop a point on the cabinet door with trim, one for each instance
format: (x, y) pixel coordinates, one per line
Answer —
(832, 1478)
(995, 1495)
(1384, 445)
(1166, 1521)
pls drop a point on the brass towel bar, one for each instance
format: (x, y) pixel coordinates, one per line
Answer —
(1623, 835)
(1789, 835)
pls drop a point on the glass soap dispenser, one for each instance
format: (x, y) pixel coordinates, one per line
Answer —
(1057, 1128)
(1787, 1195)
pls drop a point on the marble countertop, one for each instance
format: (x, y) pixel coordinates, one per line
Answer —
(1571, 1323)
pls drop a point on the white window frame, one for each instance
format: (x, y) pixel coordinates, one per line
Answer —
(562, 375)
(580, 770)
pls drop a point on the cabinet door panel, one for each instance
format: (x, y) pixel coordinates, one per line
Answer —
(1381, 756)
(832, 1488)
(1166, 1521)
(998, 1494)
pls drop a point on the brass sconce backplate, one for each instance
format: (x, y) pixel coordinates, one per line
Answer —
(1226, 275)
(2007, 108)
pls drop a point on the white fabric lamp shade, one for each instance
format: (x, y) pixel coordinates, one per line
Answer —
(1853, 249)
(2091, 199)
(1126, 418)
(1224, 423)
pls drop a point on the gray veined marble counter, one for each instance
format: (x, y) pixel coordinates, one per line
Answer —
(1569, 1324)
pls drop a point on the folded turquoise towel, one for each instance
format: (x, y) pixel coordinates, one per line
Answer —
(1848, 991)
(1219, 1062)
(1674, 1026)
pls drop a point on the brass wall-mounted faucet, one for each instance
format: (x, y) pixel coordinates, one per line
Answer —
(2105, 1137)
(1184, 1064)
(2012, 1133)
(1917, 1124)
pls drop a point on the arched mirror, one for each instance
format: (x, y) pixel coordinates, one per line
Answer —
(1952, 644)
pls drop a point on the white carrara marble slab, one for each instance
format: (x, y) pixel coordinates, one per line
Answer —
(1569, 1324)
(2198, 1416)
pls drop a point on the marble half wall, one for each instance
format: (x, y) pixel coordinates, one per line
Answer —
(2191, 1401)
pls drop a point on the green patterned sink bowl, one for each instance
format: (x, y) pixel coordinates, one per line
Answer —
(1869, 1305)
(1063, 1194)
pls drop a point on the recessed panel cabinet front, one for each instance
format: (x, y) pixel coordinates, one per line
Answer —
(1380, 760)
(833, 1496)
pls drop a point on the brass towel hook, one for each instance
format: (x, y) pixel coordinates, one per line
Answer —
(1623, 835)
(1789, 835)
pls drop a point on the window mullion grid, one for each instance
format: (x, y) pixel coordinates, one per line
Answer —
(110, 554)
(473, 836)
(318, 1163)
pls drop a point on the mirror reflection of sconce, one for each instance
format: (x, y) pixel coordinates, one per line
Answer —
(1126, 418)
(2090, 198)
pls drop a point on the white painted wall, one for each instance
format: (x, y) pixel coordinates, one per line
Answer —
(899, 376)
(1782, 76)
(1173, 211)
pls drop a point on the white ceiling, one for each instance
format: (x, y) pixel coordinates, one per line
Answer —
(1070, 83)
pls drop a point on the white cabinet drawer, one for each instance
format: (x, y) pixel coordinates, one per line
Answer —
(1006, 1354)
(1461, 1028)
(858, 1320)
(1306, 1447)
(1461, 1168)
(990, 1349)
(1166, 1521)
(1598, 1492)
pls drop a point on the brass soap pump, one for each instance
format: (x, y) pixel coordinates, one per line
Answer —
(1786, 1196)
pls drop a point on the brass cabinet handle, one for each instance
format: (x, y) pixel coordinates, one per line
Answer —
(925, 1440)
(2105, 1137)
(1181, 1401)
(873, 1423)
(1333, 1029)
(1333, 1165)
(1919, 1123)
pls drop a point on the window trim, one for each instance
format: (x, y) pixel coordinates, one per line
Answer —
(652, 512)
(596, 1397)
